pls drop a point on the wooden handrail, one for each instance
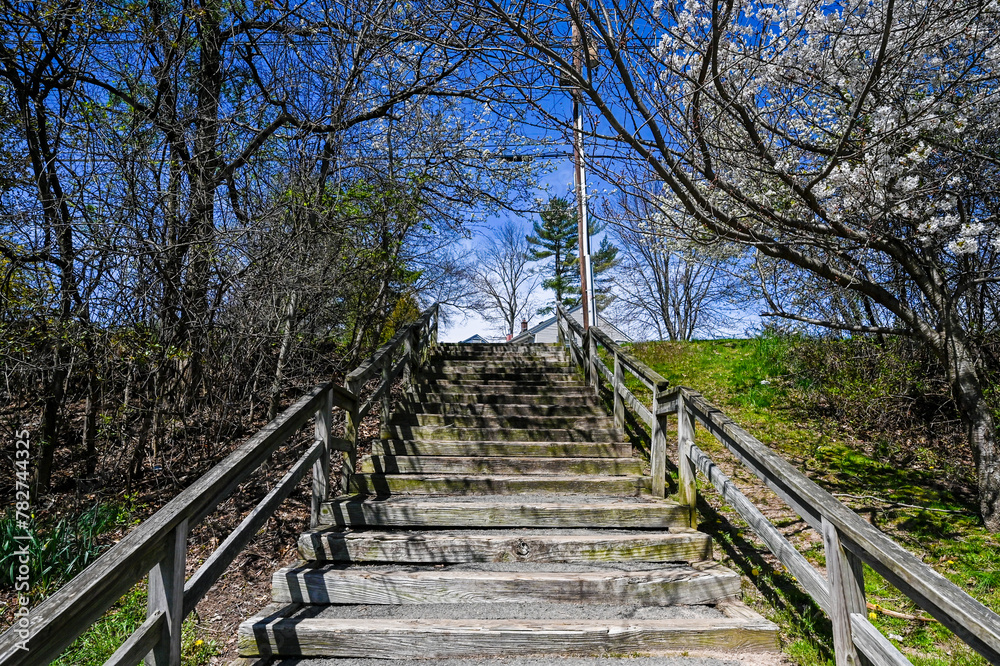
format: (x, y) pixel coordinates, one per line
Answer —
(157, 547)
(850, 541)
(973, 622)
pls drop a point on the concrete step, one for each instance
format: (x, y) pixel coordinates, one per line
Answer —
(431, 632)
(540, 511)
(436, 484)
(493, 421)
(527, 465)
(520, 545)
(399, 447)
(648, 584)
(499, 434)
(500, 409)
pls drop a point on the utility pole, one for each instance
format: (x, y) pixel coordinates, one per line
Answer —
(580, 177)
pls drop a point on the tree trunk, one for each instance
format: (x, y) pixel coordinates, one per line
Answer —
(286, 346)
(979, 425)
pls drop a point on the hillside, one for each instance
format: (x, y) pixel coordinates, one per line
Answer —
(871, 425)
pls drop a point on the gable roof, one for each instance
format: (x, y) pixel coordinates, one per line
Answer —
(551, 321)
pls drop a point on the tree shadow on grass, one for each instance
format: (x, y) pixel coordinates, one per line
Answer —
(776, 586)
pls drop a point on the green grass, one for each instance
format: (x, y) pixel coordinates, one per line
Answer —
(756, 383)
(107, 634)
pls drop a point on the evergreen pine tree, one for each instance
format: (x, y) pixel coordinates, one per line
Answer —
(601, 262)
(555, 236)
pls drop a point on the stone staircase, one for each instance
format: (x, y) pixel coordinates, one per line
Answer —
(502, 514)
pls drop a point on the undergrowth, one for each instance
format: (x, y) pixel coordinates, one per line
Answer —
(60, 548)
(871, 422)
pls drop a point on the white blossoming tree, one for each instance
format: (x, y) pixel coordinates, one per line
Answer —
(855, 144)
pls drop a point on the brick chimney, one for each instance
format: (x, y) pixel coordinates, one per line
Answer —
(524, 325)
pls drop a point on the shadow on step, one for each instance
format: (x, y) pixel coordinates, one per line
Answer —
(285, 642)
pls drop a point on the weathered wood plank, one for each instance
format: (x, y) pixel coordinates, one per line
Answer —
(413, 512)
(459, 546)
(199, 584)
(668, 585)
(140, 642)
(872, 643)
(323, 434)
(440, 639)
(687, 488)
(617, 384)
(841, 597)
(658, 452)
(166, 596)
(810, 579)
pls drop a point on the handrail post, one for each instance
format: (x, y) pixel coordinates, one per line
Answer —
(585, 348)
(166, 593)
(595, 377)
(846, 582)
(617, 386)
(351, 427)
(386, 397)
(410, 344)
(321, 468)
(434, 327)
(658, 447)
(687, 489)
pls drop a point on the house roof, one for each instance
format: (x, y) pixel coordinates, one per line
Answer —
(552, 320)
(475, 339)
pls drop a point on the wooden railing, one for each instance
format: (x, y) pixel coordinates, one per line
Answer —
(848, 539)
(157, 547)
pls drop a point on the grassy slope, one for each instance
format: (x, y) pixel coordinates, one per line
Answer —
(747, 380)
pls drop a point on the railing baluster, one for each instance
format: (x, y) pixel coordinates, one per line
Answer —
(351, 426)
(687, 489)
(619, 403)
(658, 447)
(410, 351)
(166, 593)
(846, 595)
(595, 376)
(321, 468)
(386, 397)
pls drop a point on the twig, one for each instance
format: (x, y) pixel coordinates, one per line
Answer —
(897, 614)
(892, 503)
